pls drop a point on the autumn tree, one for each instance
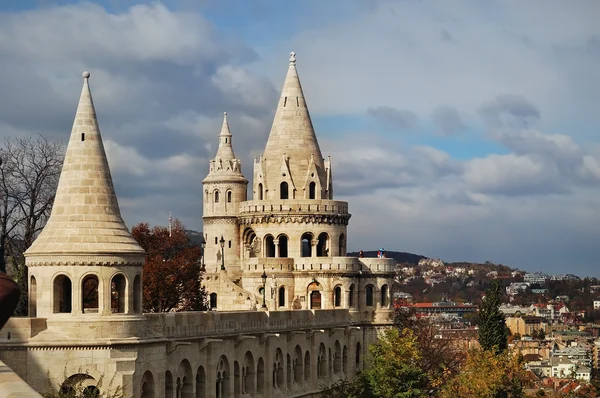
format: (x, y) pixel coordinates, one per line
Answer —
(172, 272)
(29, 177)
(486, 374)
(493, 332)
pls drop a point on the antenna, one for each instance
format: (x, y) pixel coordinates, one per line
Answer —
(170, 224)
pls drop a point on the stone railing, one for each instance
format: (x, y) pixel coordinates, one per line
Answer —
(220, 324)
(315, 264)
(12, 386)
(294, 206)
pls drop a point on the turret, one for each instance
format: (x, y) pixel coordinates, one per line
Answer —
(224, 188)
(292, 166)
(85, 262)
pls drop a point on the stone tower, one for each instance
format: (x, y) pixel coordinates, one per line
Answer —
(224, 189)
(85, 265)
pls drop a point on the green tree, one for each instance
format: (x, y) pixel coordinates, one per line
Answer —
(493, 333)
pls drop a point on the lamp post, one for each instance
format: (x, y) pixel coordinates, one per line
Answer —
(202, 246)
(2, 262)
(264, 281)
(222, 242)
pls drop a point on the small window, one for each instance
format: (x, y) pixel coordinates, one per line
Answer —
(297, 102)
(260, 192)
(283, 190)
(312, 188)
(369, 294)
(216, 196)
(216, 240)
(226, 140)
(82, 136)
(228, 196)
(230, 244)
(284, 101)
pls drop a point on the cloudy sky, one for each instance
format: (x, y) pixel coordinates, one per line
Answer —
(458, 130)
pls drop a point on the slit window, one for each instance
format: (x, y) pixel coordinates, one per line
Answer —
(284, 101)
(82, 137)
(297, 102)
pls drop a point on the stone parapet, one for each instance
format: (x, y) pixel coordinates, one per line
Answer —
(12, 386)
(20, 329)
(294, 206)
(312, 264)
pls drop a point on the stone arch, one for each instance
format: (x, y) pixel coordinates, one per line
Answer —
(322, 362)
(284, 190)
(248, 374)
(62, 294)
(184, 373)
(168, 385)
(306, 244)
(260, 376)
(369, 293)
(237, 390)
(222, 381)
(312, 190)
(278, 369)
(260, 191)
(314, 294)
(206, 196)
(345, 360)
(269, 245)
(297, 364)
(213, 301)
(342, 245)
(384, 296)
(337, 359)
(351, 298)
(147, 385)
(200, 382)
(216, 195)
(307, 367)
(90, 293)
(281, 297)
(32, 297)
(250, 245)
(118, 293)
(337, 296)
(137, 294)
(283, 242)
(323, 245)
(80, 383)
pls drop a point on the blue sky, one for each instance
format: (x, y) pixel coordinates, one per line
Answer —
(458, 130)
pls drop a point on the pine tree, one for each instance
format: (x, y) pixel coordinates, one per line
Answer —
(493, 333)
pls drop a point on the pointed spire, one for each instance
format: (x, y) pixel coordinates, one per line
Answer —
(225, 150)
(85, 217)
(292, 129)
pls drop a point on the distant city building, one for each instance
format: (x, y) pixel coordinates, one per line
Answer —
(536, 277)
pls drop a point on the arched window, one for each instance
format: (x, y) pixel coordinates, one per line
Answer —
(337, 296)
(323, 245)
(260, 191)
(228, 196)
(222, 385)
(32, 297)
(148, 385)
(213, 301)
(351, 296)
(312, 188)
(283, 246)
(89, 294)
(357, 364)
(369, 295)
(137, 294)
(342, 245)
(337, 359)
(237, 379)
(384, 296)
(260, 376)
(216, 196)
(248, 374)
(321, 362)
(117, 294)
(62, 294)
(345, 360)
(269, 246)
(282, 296)
(200, 383)
(307, 366)
(283, 190)
(306, 244)
(168, 385)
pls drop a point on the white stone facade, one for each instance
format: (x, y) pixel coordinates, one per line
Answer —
(321, 309)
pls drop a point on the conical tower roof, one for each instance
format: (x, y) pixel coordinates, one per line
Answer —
(225, 150)
(85, 218)
(292, 135)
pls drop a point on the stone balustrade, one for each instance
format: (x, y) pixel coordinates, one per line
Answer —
(12, 386)
(312, 264)
(294, 206)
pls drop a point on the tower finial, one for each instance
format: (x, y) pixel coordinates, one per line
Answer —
(292, 57)
(86, 75)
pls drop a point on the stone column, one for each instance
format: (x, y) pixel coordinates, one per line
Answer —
(313, 247)
(276, 243)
